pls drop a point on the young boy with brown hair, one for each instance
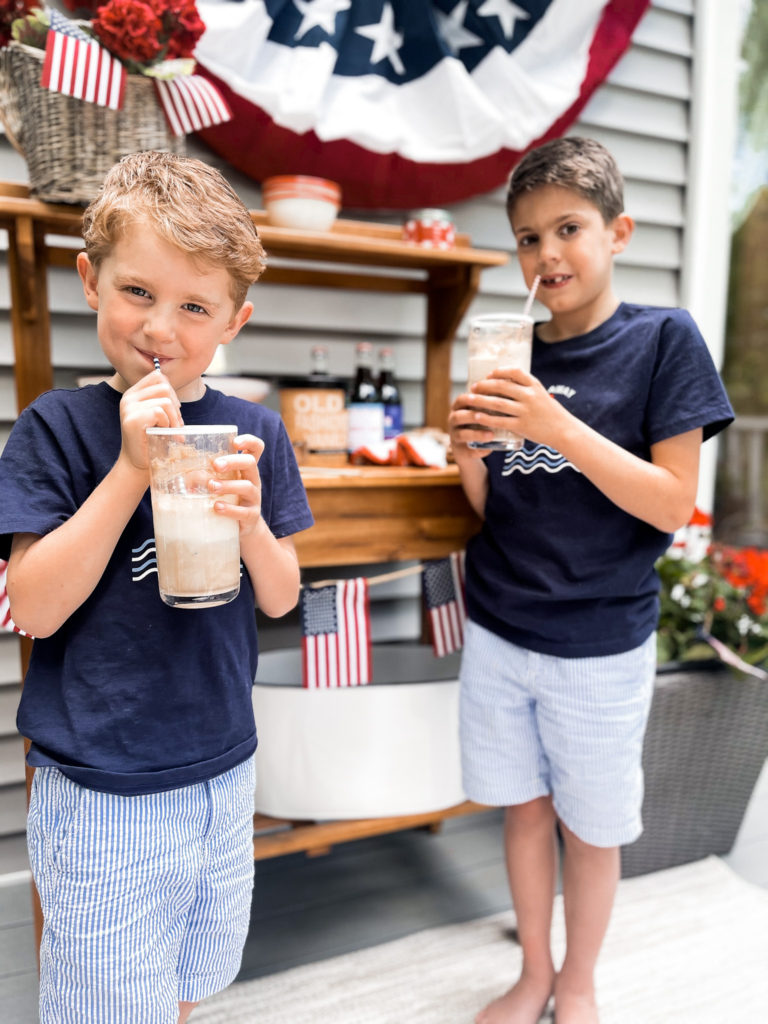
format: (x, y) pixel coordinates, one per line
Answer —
(559, 657)
(140, 715)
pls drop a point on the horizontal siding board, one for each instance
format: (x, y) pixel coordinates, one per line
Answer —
(10, 659)
(669, 31)
(13, 809)
(9, 702)
(648, 70)
(661, 116)
(676, 6)
(11, 759)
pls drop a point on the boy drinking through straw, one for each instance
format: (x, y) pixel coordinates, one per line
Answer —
(140, 715)
(559, 656)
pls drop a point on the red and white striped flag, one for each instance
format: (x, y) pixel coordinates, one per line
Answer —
(336, 634)
(76, 65)
(191, 103)
(443, 586)
(6, 622)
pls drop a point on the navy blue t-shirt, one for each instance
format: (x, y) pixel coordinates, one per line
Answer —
(558, 568)
(130, 695)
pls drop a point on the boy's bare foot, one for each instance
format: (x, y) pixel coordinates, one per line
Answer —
(525, 1003)
(574, 1006)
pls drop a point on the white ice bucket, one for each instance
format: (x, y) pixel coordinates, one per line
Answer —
(381, 750)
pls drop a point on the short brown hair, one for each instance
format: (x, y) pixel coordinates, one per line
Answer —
(582, 165)
(188, 203)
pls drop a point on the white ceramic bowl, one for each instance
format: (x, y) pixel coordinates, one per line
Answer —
(253, 389)
(302, 202)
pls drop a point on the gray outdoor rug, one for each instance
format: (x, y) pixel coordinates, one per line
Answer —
(686, 946)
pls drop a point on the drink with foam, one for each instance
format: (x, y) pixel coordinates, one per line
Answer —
(198, 550)
(496, 341)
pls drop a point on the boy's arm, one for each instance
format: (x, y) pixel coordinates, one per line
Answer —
(273, 566)
(49, 577)
(661, 492)
(472, 470)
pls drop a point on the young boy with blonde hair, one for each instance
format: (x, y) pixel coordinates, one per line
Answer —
(559, 658)
(139, 715)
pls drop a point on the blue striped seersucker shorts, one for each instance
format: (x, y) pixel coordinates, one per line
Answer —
(533, 725)
(146, 899)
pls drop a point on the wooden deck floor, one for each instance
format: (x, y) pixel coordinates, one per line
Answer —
(360, 894)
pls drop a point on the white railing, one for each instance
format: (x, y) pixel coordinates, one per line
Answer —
(743, 482)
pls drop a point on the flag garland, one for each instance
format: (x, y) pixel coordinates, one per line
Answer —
(336, 634)
(443, 587)
(336, 622)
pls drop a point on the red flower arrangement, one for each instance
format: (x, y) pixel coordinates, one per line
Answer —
(148, 31)
(140, 33)
(713, 592)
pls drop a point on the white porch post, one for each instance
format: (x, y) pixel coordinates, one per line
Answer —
(707, 238)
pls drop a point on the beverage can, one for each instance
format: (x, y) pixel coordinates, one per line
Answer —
(430, 229)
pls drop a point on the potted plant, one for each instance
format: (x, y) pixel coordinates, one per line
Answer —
(707, 736)
(76, 95)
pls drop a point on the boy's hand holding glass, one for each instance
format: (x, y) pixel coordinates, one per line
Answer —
(246, 485)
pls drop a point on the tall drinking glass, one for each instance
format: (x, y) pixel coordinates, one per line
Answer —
(198, 550)
(498, 341)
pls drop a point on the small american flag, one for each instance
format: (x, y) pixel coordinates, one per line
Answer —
(191, 103)
(6, 622)
(76, 65)
(443, 584)
(336, 634)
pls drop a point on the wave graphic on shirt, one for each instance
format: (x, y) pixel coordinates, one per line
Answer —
(540, 457)
(144, 558)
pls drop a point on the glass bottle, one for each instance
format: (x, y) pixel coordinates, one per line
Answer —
(390, 394)
(366, 410)
(318, 361)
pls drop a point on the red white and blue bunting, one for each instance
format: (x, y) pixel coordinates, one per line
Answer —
(404, 102)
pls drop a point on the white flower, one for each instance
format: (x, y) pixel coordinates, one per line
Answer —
(744, 625)
(678, 593)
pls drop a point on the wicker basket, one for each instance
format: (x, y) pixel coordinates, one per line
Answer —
(706, 744)
(69, 145)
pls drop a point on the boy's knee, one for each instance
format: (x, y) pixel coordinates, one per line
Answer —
(532, 814)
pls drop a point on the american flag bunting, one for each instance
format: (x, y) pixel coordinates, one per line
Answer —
(443, 586)
(405, 103)
(336, 634)
(191, 103)
(76, 65)
(6, 622)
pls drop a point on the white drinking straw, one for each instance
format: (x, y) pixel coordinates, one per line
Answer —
(531, 296)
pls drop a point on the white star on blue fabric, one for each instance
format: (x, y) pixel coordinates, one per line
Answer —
(320, 13)
(452, 31)
(386, 39)
(507, 13)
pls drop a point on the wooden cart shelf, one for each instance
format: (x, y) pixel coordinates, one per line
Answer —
(275, 837)
(363, 515)
(383, 514)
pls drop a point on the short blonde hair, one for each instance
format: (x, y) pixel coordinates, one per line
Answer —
(188, 203)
